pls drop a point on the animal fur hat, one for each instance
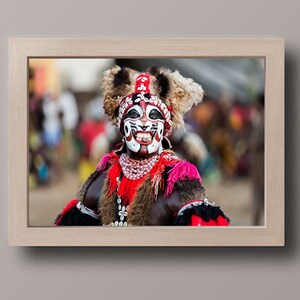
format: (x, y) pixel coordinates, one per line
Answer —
(173, 94)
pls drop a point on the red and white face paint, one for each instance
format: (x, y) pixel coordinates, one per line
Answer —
(144, 127)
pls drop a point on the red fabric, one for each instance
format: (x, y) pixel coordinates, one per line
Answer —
(68, 207)
(88, 131)
(142, 83)
(128, 188)
(220, 221)
(113, 173)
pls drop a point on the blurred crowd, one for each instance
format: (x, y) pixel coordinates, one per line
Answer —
(68, 130)
(61, 136)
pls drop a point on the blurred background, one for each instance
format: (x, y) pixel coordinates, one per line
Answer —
(223, 136)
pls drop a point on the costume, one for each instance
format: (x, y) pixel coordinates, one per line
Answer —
(143, 182)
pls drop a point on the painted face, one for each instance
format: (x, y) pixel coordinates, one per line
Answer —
(144, 128)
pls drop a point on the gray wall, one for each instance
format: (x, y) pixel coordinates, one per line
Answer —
(79, 273)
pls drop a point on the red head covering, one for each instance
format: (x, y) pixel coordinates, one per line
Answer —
(142, 87)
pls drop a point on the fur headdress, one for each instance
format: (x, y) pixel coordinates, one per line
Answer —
(172, 93)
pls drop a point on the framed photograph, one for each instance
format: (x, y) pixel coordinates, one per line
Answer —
(146, 142)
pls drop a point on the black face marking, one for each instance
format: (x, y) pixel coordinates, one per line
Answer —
(135, 96)
(132, 114)
(126, 129)
(133, 125)
(138, 97)
(143, 127)
(155, 115)
(154, 128)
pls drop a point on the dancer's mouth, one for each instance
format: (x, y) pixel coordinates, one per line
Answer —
(143, 137)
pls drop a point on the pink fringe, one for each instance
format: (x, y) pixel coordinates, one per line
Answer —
(181, 171)
(103, 162)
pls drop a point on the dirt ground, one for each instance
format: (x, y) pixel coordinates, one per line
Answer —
(46, 202)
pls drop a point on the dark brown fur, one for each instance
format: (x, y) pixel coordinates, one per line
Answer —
(107, 204)
(140, 208)
(190, 190)
(163, 82)
(122, 77)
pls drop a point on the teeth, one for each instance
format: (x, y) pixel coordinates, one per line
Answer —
(144, 137)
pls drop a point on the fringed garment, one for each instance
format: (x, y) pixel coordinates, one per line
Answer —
(170, 194)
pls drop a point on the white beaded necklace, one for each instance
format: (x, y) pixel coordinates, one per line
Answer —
(136, 169)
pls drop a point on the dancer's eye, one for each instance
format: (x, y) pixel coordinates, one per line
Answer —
(132, 114)
(155, 115)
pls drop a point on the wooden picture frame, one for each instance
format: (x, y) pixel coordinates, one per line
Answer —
(271, 234)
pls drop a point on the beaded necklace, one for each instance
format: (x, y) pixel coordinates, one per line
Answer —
(136, 169)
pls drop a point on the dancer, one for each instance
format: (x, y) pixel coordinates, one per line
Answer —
(143, 182)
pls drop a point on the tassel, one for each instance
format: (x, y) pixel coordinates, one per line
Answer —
(181, 171)
(113, 173)
(102, 165)
(155, 183)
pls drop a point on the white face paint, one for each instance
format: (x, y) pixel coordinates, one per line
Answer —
(144, 128)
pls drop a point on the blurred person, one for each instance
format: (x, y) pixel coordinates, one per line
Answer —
(96, 112)
(222, 147)
(213, 127)
(189, 145)
(52, 133)
(257, 150)
(52, 121)
(240, 127)
(38, 162)
(70, 117)
(35, 143)
(142, 182)
(96, 135)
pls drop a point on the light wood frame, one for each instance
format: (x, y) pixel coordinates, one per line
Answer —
(272, 234)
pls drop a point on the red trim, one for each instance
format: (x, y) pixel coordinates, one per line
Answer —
(68, 207)
(220, 221)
